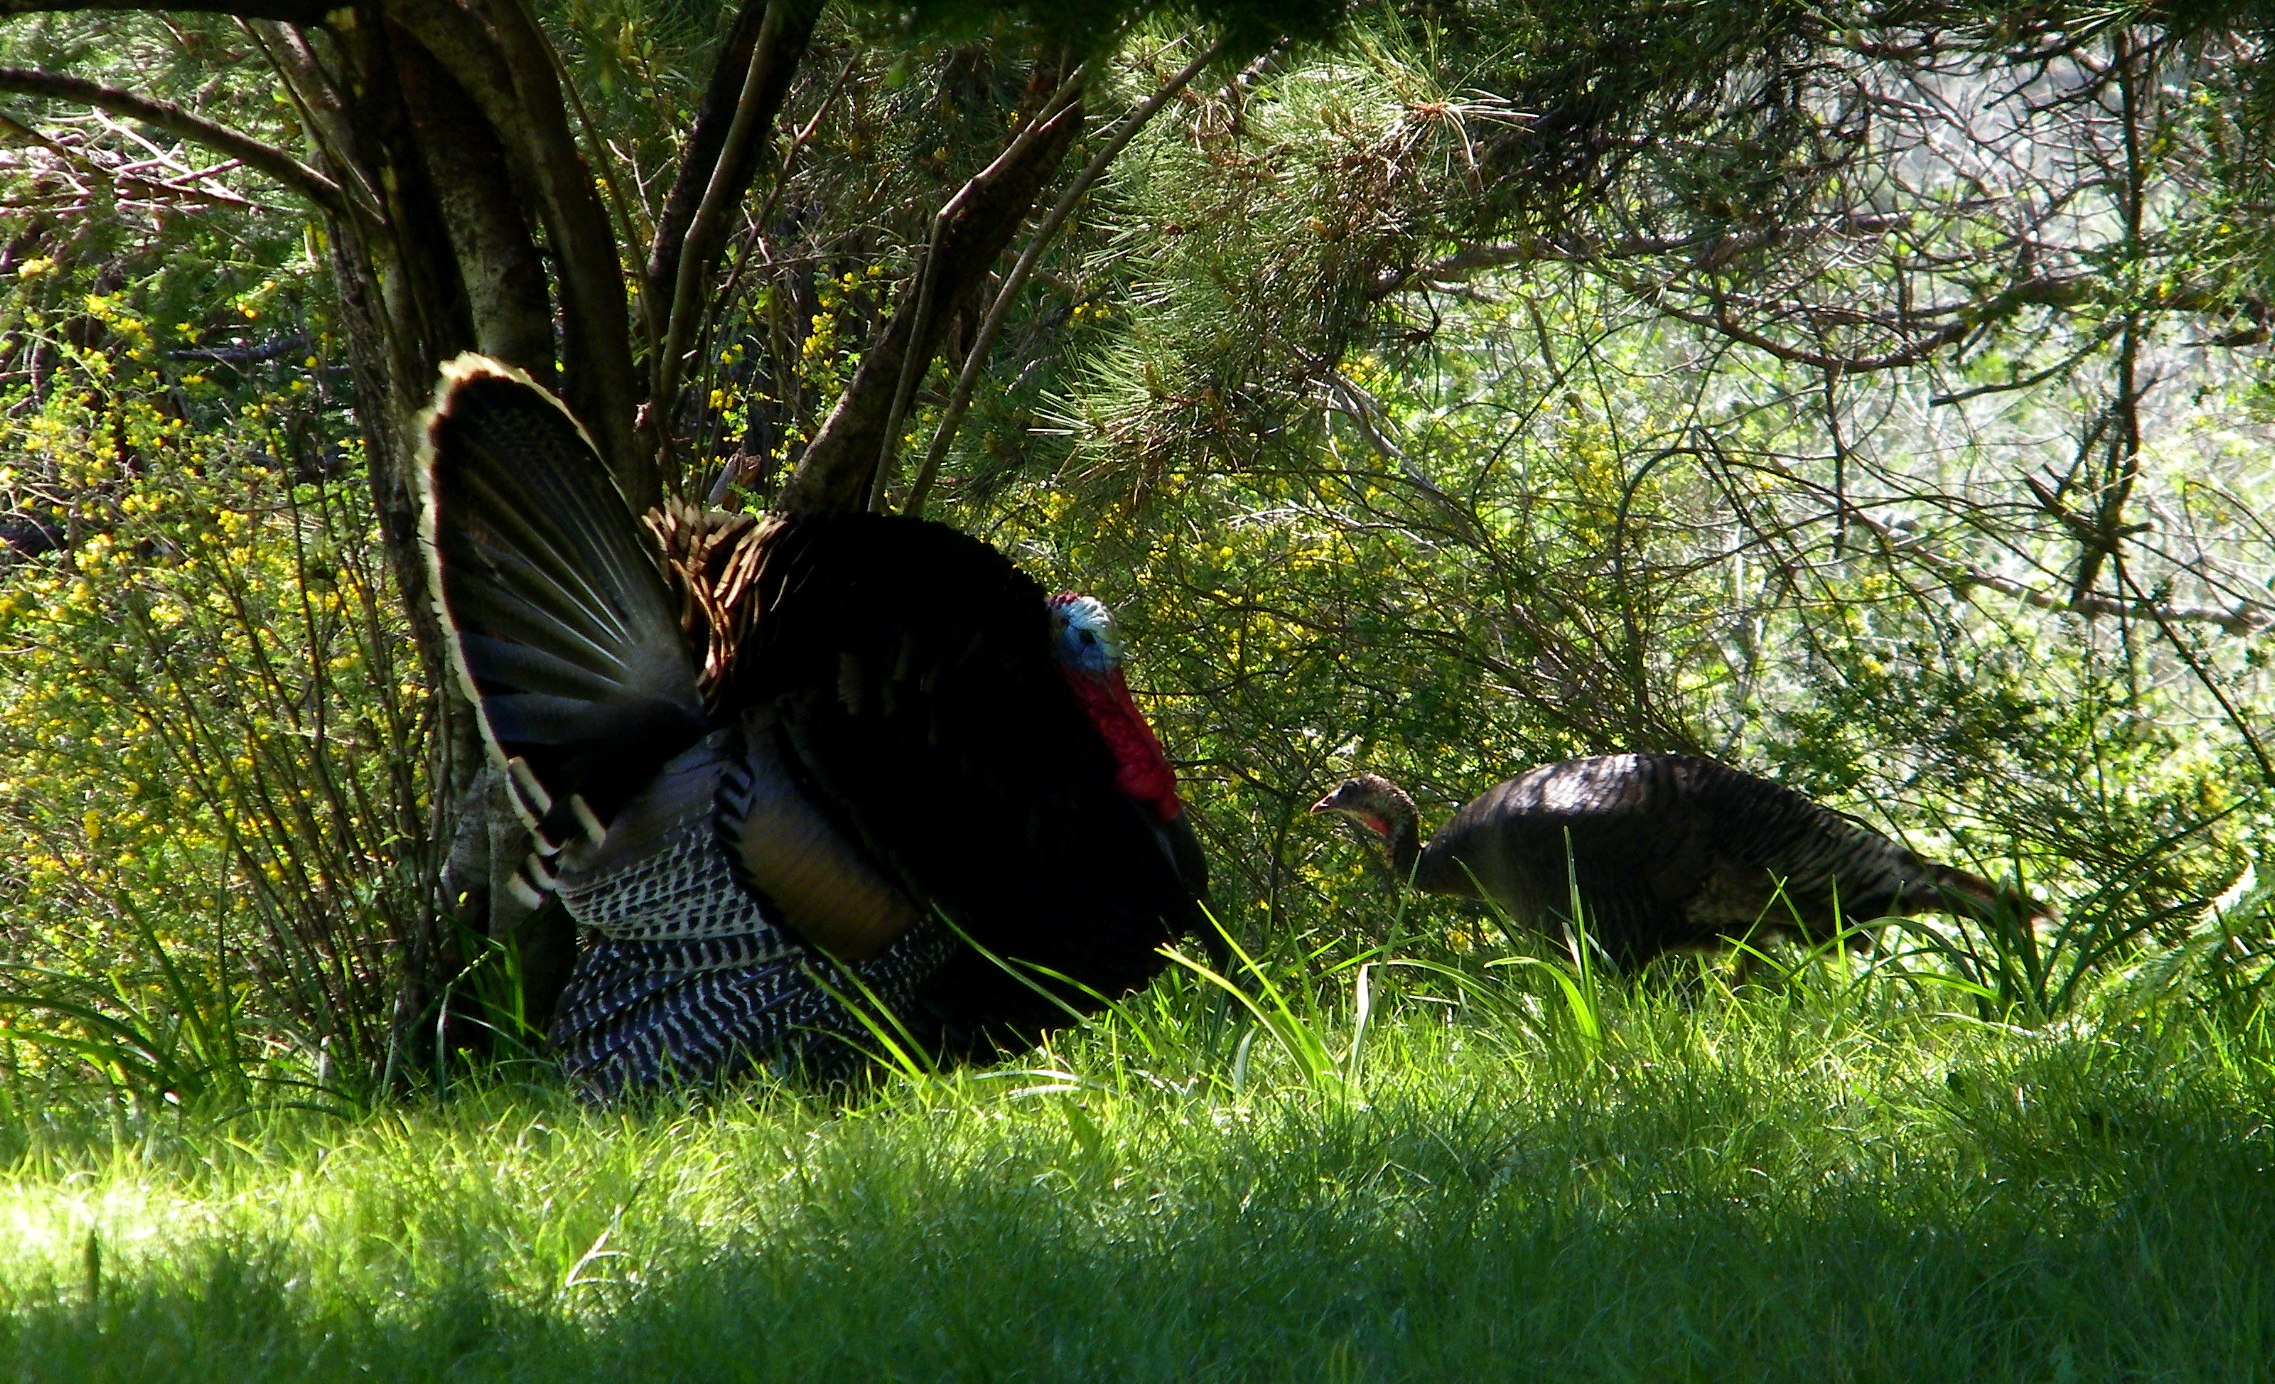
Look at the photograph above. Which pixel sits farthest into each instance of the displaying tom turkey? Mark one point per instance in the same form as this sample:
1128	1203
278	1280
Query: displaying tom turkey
801	781
1668	852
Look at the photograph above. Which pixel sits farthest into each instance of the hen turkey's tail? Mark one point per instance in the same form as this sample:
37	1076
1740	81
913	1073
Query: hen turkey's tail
564	634
1972	893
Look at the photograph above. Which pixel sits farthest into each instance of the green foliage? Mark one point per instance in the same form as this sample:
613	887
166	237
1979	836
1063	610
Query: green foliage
1086	24
1442	401
1371	495
212	802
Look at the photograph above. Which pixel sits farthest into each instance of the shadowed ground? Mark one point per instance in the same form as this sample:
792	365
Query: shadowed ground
1720	1194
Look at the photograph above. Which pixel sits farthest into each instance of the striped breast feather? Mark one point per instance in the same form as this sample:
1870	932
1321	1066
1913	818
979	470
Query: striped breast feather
659	874
638	1015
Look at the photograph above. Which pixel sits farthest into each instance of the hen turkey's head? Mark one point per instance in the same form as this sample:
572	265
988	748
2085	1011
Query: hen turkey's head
1090	653
1376	804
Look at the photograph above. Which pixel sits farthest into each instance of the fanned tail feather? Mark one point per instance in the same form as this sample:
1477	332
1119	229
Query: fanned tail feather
562	629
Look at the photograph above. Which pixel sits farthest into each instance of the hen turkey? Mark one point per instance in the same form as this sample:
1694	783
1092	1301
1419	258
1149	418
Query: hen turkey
1667	851
805	784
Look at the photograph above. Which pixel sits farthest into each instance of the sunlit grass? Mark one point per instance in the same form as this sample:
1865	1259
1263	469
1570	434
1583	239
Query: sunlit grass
1828	1177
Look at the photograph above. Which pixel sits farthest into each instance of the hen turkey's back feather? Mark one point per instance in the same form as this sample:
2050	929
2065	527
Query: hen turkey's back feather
1670	851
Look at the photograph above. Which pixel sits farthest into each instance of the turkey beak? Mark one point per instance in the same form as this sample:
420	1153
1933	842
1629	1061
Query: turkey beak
1326	804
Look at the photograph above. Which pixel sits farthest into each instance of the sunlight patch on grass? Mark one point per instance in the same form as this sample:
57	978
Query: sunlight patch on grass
1764	1186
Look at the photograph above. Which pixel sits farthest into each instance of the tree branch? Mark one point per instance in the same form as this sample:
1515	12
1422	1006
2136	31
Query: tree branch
749	83
484	213
2244	618
506	67
723	172
836	471
289	11
286	170
302	78
960	398
1044	122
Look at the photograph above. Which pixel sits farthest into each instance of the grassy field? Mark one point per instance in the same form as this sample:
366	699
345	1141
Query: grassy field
1825	1180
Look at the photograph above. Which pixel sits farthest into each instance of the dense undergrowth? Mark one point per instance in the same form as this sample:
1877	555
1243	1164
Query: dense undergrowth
1439	527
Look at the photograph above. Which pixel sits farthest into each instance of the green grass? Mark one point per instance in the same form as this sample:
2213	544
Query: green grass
1819	1182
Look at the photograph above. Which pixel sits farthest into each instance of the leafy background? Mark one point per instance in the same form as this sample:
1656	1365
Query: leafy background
1435	400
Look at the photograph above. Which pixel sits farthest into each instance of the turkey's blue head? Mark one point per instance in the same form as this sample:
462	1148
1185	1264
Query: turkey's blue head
1090	652
1089	642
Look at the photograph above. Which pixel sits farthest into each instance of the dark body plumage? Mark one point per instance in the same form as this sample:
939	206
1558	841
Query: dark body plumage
1668	852
775	765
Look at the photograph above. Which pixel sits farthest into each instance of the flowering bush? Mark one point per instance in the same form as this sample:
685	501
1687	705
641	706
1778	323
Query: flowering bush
212	735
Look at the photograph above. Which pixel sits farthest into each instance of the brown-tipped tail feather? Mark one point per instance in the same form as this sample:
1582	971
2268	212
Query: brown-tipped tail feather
1987	897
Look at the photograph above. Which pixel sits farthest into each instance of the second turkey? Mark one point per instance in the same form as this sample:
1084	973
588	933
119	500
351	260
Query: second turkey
1666	852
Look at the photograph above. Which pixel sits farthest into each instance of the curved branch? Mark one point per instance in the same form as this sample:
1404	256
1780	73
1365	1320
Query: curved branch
288	171
289	11
477	192
1049	122
960	398
761	55
301	76
838	466
730	161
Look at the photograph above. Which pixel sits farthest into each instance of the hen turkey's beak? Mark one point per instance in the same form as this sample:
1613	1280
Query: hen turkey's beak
1326	804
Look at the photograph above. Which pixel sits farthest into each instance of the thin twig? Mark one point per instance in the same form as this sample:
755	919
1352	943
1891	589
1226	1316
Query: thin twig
267	158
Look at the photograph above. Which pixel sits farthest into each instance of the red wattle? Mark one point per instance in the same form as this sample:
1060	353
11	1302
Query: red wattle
1141	767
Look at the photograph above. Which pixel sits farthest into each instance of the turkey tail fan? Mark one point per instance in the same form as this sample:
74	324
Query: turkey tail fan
562	629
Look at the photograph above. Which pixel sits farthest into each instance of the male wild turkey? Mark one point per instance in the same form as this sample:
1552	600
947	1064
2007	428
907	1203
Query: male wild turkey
1669	852
787	773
